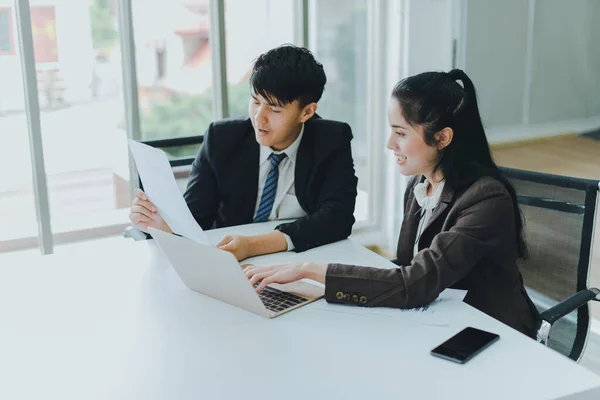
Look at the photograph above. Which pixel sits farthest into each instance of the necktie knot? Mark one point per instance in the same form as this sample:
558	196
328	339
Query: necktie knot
276	159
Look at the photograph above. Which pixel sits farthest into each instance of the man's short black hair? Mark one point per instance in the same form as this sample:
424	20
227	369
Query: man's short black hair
287	73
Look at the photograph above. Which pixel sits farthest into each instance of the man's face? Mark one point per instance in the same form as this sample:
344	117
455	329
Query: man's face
277	126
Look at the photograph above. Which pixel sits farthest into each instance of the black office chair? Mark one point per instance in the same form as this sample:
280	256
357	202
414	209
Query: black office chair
560	213
191	144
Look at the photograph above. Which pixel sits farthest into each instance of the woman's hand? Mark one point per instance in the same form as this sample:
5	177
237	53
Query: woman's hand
284	273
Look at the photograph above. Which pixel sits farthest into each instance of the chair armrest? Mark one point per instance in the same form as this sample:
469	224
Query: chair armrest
563	308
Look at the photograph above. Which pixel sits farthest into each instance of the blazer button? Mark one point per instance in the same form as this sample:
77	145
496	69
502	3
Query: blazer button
354	298
339	295
347	297
363	299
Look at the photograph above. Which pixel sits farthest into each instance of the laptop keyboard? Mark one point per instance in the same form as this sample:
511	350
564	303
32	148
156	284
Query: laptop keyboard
277	300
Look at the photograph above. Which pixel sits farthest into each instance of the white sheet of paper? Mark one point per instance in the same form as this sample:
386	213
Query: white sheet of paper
162	190
453	294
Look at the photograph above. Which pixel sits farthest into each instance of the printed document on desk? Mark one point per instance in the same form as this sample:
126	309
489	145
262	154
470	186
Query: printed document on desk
162	190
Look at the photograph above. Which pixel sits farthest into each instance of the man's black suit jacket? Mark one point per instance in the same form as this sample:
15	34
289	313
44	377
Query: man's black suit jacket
223	183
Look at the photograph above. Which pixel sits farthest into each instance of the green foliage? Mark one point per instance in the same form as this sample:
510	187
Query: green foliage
181	115
104	32
178	116
239	96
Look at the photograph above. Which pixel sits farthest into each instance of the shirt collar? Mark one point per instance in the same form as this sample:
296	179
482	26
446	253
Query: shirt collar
291	151
427	202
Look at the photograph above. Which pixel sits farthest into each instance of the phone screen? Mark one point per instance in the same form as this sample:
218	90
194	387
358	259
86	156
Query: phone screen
465	345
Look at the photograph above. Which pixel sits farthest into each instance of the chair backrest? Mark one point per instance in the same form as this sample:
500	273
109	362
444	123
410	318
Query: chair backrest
559	213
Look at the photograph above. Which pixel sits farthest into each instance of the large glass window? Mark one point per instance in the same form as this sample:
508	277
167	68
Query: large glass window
17	203
7	44
174	71
78	69
338	37
252	28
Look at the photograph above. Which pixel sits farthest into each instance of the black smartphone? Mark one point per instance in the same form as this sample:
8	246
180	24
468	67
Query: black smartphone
465	345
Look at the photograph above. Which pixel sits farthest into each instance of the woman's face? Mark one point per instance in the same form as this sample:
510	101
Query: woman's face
413	155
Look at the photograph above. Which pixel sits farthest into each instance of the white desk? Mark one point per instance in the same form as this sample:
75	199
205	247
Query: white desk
112	321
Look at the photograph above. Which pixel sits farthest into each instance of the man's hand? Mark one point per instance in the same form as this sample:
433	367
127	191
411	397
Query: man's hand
239	246
243	247
144	214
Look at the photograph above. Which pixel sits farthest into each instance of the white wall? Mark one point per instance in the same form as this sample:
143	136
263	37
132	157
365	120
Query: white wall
566	61
429	35
535	64
496	49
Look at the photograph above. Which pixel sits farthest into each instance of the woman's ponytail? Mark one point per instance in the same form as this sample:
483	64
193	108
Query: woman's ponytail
470	98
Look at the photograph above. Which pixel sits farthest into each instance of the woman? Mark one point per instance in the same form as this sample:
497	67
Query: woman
462	225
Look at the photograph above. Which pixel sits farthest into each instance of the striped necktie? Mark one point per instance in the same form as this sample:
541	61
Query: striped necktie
268	195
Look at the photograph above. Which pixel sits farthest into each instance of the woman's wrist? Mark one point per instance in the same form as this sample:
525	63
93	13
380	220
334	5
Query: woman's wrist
315	271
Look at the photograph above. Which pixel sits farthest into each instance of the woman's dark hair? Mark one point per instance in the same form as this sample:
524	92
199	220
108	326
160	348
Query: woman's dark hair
287	73
435	100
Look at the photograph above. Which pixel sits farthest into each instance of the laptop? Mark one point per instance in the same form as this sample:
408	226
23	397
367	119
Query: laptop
217	273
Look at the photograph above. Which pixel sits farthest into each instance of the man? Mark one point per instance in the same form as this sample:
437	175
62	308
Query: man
283	162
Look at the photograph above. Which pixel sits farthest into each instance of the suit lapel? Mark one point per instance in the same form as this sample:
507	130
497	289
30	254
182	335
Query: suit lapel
445	200
249	185
304	160
408	231
410	224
